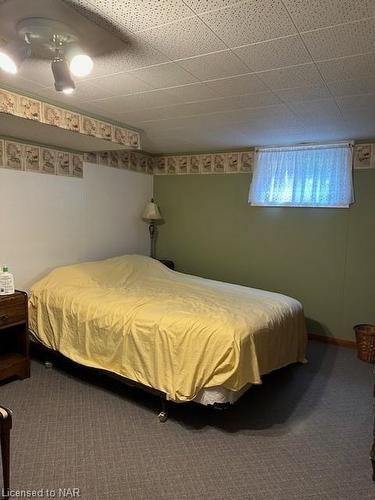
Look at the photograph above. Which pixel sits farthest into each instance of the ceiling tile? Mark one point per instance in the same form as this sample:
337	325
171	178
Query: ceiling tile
233	105
354	107
315	110
312	93
164	75
181	39
192	92
215	65
141	115
16	82
348	67
195	109
339	41
141	15
35	70
207	5
352	87
312	14
85	91
171	123
295	76
215	106
118	84
244	84
278	115
254	100
249	22
274	54
122	104
137	54
172	142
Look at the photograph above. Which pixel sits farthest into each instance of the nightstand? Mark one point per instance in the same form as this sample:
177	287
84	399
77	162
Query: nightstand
14	337
168	263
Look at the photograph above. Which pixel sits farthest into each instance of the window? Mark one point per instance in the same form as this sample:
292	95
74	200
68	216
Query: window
303	176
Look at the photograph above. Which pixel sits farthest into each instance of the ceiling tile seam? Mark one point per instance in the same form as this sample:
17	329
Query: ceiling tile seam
170	60
263	41
211	113
169	23
210	99
244	62
217	8
165	89
93	79
128	30
202	55
227	49
333	59
215	80
194	14
128	71
363	94
315	63
357	21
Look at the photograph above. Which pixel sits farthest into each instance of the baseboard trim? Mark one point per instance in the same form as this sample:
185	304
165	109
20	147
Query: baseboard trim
333	340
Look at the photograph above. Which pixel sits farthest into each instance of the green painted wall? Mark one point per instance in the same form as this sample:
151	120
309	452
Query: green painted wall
323	257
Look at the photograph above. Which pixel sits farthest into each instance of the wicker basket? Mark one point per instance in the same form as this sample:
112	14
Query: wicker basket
365	335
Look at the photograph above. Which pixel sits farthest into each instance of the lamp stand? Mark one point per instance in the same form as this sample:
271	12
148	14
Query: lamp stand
152	230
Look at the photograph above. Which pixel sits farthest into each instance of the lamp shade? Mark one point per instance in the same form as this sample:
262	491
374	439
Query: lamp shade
151	211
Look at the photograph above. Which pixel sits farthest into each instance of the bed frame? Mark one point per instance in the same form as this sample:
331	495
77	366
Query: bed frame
48	356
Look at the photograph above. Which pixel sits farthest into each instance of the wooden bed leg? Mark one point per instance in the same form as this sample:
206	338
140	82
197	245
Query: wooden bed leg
163	415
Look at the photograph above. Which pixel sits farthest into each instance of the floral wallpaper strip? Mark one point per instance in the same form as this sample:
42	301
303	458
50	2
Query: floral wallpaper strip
128	160
34	109
210	163
32	158
237	162
364	156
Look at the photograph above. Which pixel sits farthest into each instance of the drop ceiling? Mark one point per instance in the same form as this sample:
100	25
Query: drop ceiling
199	75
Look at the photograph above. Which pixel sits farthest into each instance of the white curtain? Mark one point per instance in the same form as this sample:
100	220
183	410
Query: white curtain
303	176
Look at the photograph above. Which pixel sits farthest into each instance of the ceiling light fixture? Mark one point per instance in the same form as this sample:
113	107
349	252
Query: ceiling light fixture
13	54
52	40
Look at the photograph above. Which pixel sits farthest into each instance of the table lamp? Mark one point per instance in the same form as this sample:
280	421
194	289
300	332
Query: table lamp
151	214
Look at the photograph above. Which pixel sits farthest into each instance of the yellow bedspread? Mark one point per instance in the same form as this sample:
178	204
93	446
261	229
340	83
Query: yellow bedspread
174	332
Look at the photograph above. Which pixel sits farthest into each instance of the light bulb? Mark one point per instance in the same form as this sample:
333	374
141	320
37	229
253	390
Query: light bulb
7	64
81	65
13	54
68	91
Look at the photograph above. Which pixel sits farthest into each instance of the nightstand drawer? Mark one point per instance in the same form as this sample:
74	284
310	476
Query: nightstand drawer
12	312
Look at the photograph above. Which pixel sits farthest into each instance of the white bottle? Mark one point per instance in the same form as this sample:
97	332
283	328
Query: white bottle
6	282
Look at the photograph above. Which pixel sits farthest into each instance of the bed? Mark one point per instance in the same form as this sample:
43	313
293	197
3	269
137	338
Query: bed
189	338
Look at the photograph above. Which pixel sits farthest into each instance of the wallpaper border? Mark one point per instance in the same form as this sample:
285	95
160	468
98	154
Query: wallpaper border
33	109
235	162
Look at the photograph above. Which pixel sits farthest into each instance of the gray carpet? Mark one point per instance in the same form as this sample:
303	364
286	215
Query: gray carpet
305	433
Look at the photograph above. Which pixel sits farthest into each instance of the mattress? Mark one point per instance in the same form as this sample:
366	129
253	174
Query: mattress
219	396
170	331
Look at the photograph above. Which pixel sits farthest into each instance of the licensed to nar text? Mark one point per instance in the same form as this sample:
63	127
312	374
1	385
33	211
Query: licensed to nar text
43	493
